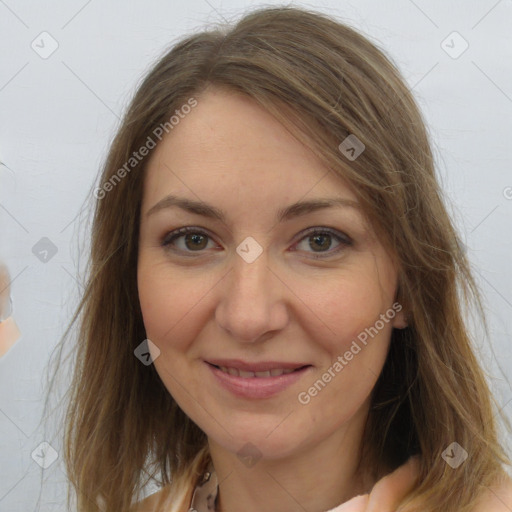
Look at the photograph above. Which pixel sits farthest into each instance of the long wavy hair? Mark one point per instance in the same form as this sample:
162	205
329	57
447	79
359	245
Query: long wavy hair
324	81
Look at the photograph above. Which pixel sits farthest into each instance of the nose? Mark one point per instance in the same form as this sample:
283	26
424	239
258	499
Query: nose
253	303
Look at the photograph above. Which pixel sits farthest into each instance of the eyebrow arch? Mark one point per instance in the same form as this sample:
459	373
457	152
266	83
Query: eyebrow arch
294	210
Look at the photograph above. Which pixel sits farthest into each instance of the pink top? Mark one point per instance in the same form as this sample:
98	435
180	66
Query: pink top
205	496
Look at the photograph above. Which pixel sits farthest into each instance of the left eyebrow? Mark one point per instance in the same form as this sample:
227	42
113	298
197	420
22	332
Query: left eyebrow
305	207
294	210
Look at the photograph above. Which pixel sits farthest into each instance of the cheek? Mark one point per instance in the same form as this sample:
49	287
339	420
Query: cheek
170	303
355	351
171	307
345	307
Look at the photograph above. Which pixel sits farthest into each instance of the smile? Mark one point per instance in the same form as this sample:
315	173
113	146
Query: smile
262	381
274	372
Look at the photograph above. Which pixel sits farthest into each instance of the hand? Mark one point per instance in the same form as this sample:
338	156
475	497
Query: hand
5	309
388	492
9	332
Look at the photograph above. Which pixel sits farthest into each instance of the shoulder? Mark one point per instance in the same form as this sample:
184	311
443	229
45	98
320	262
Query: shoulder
497	498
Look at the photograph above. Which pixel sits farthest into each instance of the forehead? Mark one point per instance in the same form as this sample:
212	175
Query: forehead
228	144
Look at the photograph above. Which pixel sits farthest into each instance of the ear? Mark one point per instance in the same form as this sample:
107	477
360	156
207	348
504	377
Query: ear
400	320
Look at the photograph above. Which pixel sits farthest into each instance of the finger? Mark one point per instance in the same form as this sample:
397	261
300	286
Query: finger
4	291
388	492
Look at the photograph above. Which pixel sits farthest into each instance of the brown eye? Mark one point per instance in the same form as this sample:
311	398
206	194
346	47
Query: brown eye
322	241
195	241
187	240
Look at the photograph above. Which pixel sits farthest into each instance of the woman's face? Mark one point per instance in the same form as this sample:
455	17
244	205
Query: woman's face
278	274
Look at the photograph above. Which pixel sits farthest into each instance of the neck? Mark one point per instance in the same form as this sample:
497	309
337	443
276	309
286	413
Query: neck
317	478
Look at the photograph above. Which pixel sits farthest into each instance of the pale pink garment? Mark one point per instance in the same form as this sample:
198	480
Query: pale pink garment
354	505
205	494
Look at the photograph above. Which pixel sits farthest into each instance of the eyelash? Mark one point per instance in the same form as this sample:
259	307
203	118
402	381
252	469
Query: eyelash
344	240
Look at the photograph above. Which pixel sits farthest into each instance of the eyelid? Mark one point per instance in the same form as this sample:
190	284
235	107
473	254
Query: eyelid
177	233
342	238
324	229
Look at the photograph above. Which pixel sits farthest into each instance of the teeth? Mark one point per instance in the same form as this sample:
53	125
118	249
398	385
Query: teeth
274	372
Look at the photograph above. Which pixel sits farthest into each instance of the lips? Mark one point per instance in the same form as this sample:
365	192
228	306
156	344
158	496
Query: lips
274	372
256	380
248	369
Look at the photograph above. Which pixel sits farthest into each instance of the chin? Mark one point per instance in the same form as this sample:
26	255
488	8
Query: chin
268	440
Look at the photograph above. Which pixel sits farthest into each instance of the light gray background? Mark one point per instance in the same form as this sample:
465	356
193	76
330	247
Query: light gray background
57	116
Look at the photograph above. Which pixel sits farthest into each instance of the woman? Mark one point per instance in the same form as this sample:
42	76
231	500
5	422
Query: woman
272	319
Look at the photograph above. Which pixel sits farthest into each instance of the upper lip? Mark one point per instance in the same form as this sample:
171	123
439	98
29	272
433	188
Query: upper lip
261	366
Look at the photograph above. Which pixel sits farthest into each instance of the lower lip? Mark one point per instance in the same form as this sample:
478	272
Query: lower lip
256	387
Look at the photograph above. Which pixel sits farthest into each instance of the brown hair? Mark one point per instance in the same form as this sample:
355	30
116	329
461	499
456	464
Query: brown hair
324	81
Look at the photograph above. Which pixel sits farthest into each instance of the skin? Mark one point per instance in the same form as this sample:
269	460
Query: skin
9	332
287	305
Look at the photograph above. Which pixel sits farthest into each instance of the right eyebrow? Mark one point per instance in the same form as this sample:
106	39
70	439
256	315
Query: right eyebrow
294	210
